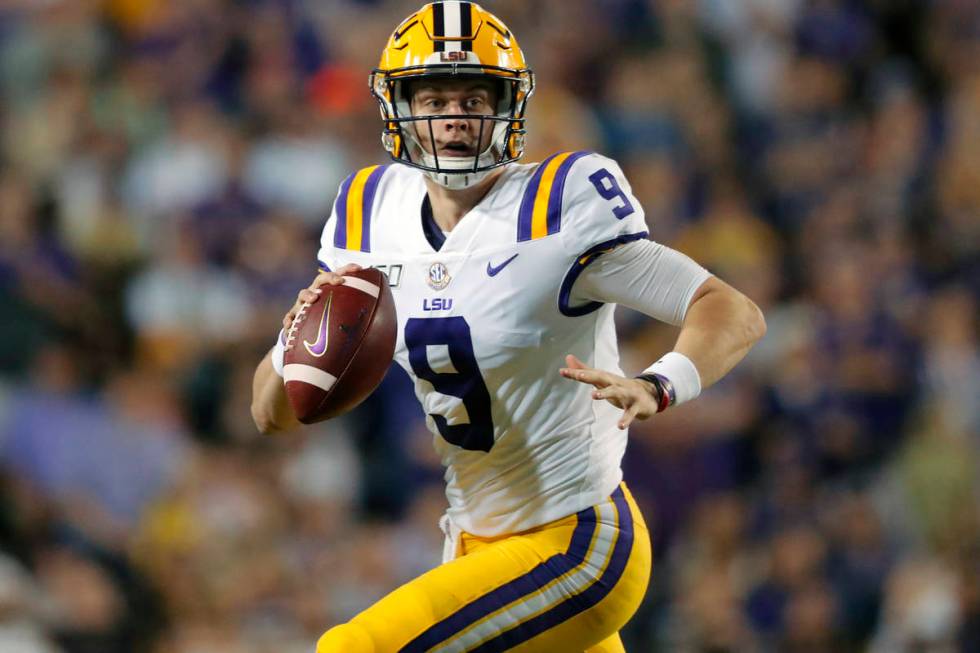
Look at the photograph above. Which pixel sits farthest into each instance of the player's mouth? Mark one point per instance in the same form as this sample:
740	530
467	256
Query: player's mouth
456	148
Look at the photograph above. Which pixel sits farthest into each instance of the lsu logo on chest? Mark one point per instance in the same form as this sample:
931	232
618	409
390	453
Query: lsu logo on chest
438	278
437	303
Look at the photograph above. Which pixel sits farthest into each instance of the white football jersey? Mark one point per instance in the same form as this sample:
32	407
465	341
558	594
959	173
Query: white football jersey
485	322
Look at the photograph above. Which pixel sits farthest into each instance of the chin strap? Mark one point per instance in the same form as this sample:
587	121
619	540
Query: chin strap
448	174
458	180
463	177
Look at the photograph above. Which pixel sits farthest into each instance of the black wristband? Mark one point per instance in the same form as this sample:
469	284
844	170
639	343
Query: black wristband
665	390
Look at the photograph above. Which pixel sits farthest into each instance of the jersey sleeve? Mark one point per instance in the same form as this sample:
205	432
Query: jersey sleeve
645	276
329	257
599	206
348	229
600	213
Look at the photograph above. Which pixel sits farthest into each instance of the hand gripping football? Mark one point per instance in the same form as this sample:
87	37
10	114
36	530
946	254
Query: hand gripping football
340	347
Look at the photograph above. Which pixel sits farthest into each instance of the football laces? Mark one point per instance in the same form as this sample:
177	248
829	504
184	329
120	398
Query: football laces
294	327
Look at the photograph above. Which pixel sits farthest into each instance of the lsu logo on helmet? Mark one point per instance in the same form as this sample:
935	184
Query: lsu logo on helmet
453	39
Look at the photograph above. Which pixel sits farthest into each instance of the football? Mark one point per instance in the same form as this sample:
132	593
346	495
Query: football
340	347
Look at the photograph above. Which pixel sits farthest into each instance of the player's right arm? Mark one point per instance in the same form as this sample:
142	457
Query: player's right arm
271	411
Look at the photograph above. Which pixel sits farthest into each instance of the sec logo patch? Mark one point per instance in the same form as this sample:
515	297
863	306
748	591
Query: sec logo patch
438	276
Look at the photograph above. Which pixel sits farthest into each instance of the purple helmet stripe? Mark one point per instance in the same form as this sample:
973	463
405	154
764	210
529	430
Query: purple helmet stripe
466	24
438	27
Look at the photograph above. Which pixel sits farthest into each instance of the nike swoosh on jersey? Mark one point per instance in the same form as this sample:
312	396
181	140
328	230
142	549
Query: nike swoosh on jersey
319	348
492	271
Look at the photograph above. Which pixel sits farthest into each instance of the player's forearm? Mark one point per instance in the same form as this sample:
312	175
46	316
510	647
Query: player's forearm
270	407
720	327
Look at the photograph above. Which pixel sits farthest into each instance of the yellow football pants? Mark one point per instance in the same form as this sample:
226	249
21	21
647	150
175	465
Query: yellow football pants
565	587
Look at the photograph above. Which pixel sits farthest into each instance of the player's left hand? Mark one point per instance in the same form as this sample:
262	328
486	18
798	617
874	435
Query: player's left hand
635	396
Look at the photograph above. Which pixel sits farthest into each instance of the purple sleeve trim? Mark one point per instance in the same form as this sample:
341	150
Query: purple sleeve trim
581	262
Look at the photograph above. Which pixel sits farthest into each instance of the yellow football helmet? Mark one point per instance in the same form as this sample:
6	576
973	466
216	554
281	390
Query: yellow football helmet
450	39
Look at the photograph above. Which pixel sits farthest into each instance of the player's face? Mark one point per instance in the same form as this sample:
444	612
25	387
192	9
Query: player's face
455	137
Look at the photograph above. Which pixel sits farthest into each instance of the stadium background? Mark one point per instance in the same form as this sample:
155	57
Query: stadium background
165	166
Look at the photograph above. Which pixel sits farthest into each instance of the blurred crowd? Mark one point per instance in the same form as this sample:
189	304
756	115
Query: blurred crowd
166	167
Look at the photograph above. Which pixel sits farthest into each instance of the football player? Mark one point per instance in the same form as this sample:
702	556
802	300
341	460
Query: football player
505	278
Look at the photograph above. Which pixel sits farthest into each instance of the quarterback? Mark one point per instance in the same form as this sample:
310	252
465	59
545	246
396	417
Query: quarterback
505	278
